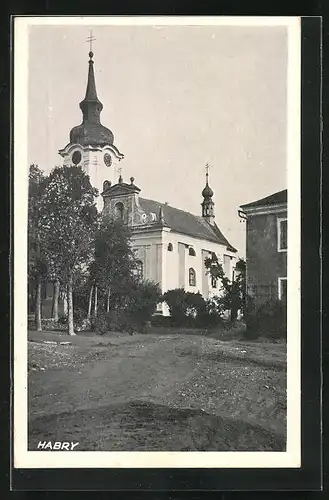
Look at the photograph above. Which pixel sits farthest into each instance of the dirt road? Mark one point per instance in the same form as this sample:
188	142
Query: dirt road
153	392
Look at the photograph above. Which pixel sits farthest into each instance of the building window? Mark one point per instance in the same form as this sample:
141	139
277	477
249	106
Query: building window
139	269
227	266
118	210
192	277
191	252
282	235
213	282
282	289
76	157
170	247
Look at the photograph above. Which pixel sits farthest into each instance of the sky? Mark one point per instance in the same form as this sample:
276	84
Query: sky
175	98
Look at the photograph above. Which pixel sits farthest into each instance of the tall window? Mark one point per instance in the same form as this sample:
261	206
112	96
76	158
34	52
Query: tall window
213	282
282	235
282	289
192	277
118	210
227	266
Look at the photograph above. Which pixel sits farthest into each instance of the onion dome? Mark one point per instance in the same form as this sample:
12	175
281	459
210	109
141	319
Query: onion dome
207	192
91	132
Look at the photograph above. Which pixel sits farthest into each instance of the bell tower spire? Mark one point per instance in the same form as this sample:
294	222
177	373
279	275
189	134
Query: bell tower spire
208	204
91	144
91	132
91	94
91	106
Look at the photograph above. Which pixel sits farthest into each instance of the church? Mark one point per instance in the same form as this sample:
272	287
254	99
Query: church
171	244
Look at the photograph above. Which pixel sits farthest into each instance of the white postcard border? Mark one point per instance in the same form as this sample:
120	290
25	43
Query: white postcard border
35	459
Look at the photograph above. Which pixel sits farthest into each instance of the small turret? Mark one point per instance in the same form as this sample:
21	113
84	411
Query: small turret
208	205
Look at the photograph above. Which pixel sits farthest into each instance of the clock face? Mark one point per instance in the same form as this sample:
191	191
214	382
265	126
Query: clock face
108	159
76	157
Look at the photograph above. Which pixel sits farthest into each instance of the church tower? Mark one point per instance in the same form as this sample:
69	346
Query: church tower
91	144
208	205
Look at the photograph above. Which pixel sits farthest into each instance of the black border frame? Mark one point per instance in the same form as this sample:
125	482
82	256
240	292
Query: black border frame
309	476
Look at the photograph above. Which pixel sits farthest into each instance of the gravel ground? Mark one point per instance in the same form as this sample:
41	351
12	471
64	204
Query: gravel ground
170	392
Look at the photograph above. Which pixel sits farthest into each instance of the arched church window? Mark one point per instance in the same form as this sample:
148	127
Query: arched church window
192	277
213	282
170	247
118	210
139	269
106	185
191	252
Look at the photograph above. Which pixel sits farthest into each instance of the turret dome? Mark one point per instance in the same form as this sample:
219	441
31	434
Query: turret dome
207	192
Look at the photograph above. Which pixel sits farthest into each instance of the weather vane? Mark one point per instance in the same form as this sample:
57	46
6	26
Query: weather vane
207	169
91	39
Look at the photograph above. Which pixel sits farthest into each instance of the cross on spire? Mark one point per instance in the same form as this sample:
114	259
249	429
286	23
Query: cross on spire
207	171
91	39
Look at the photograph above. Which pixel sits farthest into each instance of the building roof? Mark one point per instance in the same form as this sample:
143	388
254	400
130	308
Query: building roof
273	199
183	222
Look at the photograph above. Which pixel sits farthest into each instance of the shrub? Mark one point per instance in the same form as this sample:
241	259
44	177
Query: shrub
135	313
62	320
250	315
160	320
191	309
213	315
100	325
50	324
79	316
268	320
176	301
142	301
115	321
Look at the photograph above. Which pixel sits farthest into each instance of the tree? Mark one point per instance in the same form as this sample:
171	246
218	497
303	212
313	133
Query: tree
56	290
233	291
37	263
113	271
68	217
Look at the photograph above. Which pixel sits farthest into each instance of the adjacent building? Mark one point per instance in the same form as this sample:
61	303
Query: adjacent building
266	247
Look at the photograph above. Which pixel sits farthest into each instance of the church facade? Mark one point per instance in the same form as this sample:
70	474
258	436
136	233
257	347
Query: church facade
171	245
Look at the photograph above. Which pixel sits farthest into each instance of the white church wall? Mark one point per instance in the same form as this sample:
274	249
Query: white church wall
92	162
171	268
177	265
148	247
